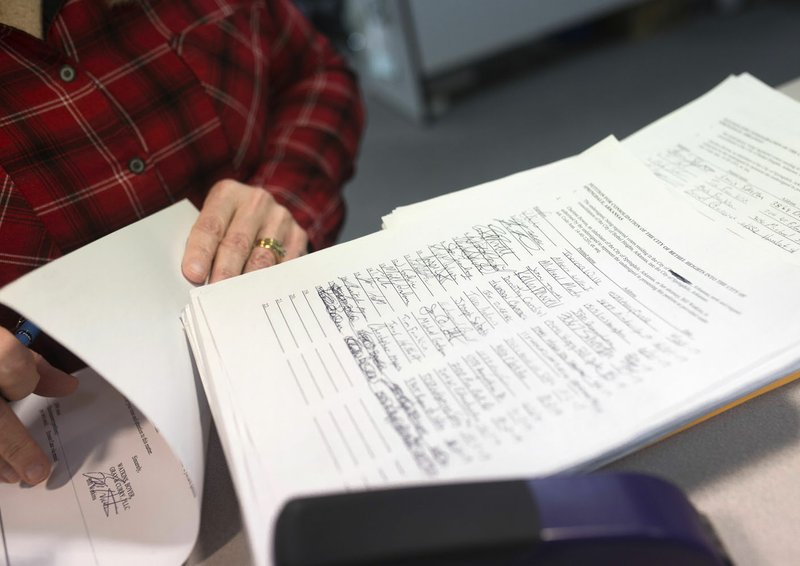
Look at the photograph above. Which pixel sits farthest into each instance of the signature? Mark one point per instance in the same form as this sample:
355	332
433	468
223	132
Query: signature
103	487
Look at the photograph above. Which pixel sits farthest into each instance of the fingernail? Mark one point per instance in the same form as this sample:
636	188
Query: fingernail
195	269
35	473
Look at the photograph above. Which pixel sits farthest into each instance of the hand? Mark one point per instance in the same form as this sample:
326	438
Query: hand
234	216
23	372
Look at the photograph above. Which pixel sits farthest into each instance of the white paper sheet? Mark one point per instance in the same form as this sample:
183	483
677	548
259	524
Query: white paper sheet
117	495
116	305
735	154
539	331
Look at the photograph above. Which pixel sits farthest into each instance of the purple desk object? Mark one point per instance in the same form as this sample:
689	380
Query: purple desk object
594	519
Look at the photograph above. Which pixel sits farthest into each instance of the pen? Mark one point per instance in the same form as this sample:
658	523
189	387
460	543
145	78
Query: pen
26	332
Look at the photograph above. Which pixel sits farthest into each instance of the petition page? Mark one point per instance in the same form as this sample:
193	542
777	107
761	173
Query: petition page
117	495
116	304
735	153
542	330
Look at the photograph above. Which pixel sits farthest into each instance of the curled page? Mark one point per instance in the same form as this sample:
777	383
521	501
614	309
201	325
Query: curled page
129	453
117	494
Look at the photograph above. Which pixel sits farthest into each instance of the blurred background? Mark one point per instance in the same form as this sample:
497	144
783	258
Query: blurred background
460	92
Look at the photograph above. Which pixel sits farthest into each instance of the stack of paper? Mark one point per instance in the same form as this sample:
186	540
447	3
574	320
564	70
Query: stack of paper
565	316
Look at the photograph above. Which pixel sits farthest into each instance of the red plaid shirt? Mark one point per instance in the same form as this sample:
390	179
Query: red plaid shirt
121	111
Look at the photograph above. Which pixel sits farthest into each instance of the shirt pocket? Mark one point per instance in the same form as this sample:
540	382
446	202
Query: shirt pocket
223	44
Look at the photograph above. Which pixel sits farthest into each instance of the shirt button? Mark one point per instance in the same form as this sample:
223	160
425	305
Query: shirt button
136	166
67	73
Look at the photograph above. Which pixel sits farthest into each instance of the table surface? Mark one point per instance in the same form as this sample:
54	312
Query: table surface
741	469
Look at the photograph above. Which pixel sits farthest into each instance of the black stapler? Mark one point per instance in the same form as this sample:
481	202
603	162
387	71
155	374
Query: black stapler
593	519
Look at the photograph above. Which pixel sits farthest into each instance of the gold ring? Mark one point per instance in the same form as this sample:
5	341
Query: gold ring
273	245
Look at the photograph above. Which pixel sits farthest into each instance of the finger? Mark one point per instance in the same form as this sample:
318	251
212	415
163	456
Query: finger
52	381
276	227
236	247
296	242
261	258
7	473
19	450
208	231
18	375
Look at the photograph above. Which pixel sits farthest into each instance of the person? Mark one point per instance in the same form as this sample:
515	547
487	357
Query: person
114	109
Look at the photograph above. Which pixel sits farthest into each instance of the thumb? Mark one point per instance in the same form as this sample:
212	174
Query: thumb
52	381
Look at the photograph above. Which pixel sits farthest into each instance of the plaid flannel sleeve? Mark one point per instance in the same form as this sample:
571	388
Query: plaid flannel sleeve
316	118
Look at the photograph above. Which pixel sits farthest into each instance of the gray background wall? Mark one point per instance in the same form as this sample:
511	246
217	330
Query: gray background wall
608	84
